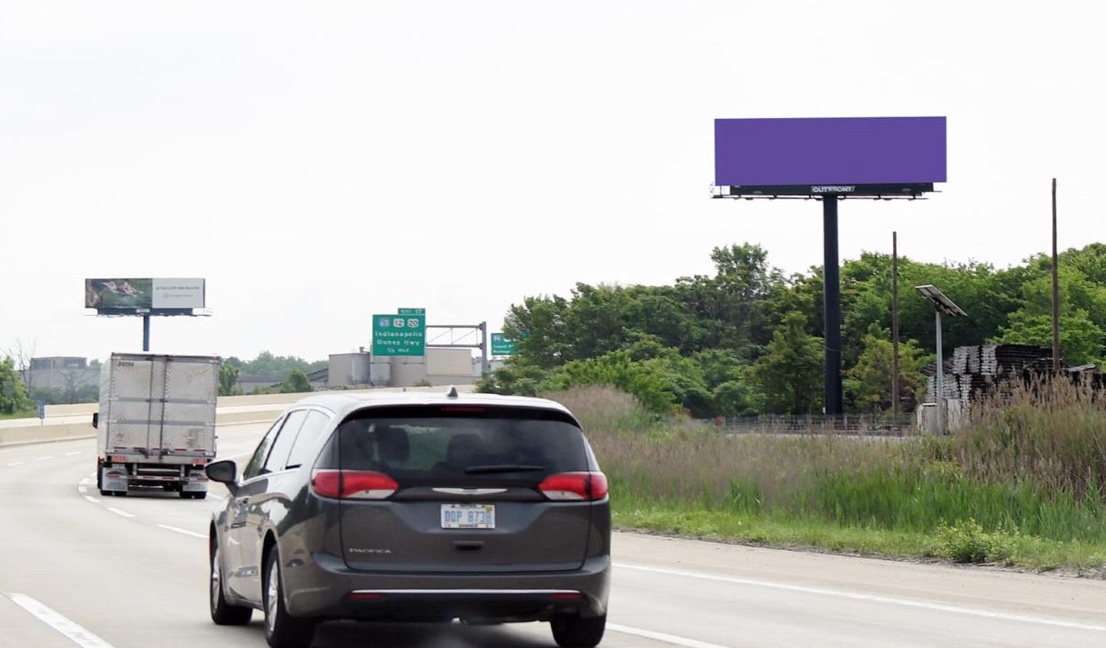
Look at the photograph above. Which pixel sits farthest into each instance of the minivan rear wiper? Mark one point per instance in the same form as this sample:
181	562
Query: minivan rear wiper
501	468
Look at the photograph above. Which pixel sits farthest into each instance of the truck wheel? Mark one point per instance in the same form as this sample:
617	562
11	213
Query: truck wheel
281	629
223	613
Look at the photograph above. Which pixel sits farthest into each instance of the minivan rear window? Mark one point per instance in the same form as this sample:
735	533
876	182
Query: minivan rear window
461	443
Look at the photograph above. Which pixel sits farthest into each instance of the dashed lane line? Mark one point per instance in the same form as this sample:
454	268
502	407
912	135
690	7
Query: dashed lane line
76	633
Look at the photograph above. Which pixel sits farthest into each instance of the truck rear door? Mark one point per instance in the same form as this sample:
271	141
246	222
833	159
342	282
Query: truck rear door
191	386
135	408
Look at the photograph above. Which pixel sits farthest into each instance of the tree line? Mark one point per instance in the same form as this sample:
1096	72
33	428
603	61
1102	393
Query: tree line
749	338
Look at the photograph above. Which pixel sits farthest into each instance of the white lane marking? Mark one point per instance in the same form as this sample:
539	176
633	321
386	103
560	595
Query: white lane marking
44	458
660	636
94	500
72	454
82	489
926	605
17	463
119	512
184	531
78	634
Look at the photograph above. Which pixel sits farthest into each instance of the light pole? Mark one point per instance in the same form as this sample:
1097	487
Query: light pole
943	305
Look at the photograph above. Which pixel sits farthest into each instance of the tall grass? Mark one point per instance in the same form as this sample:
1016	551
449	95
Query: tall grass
1052	433
1023	478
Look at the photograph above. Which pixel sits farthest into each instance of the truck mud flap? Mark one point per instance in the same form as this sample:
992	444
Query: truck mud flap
197	482
113	479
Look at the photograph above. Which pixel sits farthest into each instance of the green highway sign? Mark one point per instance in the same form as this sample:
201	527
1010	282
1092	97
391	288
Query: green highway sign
399	334
501	346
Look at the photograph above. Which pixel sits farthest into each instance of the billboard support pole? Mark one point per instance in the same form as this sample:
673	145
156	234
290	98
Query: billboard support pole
146	332
831	290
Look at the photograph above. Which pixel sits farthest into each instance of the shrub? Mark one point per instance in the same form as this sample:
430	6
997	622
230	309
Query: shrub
967	542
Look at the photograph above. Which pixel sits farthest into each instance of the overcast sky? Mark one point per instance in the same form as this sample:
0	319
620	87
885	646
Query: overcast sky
319	162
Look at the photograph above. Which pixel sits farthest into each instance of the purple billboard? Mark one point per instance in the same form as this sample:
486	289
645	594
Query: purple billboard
829	151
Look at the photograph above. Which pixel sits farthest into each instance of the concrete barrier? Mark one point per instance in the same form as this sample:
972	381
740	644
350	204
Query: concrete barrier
45	433
65	422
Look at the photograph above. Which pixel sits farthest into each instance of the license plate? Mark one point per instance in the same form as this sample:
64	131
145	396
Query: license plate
468	516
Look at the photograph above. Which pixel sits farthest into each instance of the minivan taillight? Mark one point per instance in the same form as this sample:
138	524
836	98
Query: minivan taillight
353	484
575	486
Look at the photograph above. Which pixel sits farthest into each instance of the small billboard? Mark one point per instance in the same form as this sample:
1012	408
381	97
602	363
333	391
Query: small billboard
829	155
143	295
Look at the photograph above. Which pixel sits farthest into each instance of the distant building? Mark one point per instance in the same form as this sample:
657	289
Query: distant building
70	375
58	363
440	366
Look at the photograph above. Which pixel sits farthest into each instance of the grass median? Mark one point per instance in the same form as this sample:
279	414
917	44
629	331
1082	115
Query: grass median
1022	486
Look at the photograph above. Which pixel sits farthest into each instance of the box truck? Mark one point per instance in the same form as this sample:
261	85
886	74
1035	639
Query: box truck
156	424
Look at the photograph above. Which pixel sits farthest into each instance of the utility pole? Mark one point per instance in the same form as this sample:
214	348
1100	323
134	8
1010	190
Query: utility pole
1055	288
895	327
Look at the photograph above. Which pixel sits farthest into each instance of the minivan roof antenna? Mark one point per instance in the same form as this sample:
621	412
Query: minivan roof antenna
452	393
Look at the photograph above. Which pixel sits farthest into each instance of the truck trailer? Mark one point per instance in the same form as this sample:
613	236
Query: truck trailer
156	424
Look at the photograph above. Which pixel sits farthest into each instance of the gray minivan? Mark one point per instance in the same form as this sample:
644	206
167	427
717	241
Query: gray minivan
415	506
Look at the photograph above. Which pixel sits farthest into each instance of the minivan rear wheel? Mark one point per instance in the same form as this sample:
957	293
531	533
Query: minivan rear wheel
575	631
281	629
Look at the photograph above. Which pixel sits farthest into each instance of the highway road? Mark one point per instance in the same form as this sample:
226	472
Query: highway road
77	569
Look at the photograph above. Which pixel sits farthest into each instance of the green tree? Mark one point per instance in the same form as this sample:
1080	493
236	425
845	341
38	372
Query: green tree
228	380
1082	305
734	398
867	384
976	288
733	309
295	383
48	395
539	327
789	374
13	393
516	376
1089	260
268	364
1080	338
618	369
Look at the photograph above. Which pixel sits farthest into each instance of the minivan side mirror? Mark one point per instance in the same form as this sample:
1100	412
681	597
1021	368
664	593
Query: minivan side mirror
224	471
96	420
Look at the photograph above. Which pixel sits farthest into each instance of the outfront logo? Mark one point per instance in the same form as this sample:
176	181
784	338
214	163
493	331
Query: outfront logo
832	188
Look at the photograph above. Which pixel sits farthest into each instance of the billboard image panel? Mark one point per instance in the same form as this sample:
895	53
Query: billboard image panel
120	294
117	293
829	151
